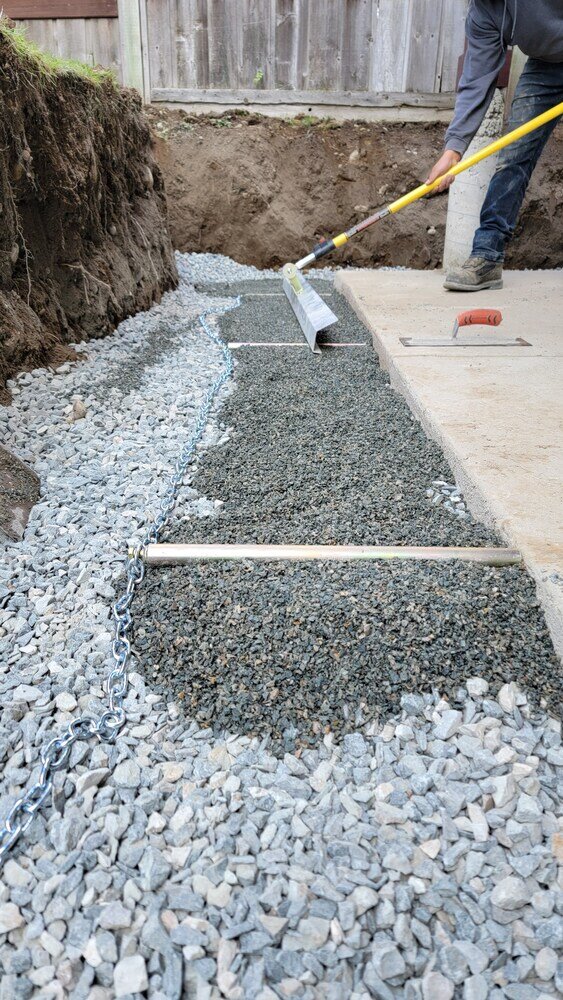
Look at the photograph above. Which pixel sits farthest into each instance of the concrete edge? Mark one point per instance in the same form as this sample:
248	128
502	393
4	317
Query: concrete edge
478	502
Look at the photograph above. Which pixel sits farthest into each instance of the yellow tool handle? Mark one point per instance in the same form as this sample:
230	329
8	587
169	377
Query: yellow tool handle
481	154
327	246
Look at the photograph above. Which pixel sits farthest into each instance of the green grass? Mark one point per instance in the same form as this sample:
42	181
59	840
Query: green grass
303	121
46	64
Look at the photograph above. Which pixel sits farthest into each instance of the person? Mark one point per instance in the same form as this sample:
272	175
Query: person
536	27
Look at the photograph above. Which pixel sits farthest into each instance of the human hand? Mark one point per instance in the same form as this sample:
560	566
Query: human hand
447	160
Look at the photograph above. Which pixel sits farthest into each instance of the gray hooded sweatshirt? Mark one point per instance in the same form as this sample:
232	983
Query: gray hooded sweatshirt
535	26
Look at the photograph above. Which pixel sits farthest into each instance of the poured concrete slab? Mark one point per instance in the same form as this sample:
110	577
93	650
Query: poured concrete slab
497	412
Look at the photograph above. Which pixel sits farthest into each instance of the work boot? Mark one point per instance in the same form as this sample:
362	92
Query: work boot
475	274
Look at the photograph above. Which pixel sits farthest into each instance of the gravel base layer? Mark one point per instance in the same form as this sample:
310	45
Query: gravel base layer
420	859
295	651
323	450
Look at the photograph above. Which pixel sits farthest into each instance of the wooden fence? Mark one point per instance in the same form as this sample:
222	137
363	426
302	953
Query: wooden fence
87	30
303	51
351	52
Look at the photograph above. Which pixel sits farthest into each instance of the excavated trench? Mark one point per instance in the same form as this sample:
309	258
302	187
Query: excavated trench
83	230
264	190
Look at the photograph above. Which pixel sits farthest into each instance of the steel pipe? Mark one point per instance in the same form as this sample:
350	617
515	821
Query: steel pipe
179	555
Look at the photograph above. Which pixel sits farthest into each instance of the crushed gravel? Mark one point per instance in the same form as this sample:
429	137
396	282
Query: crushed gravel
294	651
421	858
322	449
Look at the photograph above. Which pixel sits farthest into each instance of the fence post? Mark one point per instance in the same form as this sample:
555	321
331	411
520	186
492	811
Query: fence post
133	46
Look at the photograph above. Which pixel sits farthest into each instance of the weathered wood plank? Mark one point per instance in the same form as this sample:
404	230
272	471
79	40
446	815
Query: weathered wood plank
303	28
224	44
186	59
70	39
145	51
286	47
357	42
102	43
389	51
162	32
424	45
358	99
257	57
452	40
43	10
325	48
201	28
131	45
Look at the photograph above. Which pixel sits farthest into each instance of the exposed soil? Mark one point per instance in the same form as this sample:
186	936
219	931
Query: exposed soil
83	237
264	190
19	491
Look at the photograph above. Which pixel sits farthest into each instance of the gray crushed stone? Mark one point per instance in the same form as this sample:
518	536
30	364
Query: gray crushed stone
422	859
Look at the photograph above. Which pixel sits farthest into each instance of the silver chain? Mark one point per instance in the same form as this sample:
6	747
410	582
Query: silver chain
54	755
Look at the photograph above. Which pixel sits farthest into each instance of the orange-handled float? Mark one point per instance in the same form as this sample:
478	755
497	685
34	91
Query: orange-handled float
327	246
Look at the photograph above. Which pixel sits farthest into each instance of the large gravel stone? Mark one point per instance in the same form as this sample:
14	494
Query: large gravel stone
511	893
387	960
435	986
130	976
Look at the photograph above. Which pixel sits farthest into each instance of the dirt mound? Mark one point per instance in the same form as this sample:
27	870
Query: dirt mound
83	232
264	190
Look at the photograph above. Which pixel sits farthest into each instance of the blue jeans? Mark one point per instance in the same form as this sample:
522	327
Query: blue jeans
538	89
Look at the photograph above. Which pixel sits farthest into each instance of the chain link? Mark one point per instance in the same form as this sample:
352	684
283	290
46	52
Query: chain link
54	755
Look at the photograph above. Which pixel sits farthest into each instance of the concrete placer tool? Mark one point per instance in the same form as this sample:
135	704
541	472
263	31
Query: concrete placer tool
312	313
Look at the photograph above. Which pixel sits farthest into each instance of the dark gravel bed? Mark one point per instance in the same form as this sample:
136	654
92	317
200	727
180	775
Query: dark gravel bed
294	650
322	450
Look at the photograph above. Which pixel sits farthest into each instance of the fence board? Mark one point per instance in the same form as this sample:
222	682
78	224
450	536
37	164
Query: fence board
302	57
424	45
92	41
325	49
202	44
43	10
360	99
257	67
357	41
134	68
285	44
71	39
102	42
224	48
452	39
186	58
162	29
389	53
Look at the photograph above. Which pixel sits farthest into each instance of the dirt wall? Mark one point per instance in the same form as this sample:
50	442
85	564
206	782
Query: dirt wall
83	227
263	190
